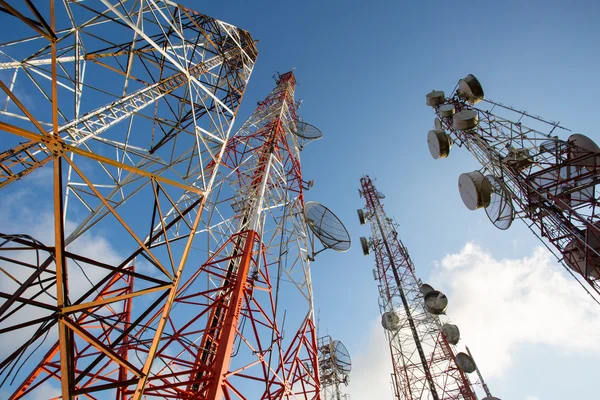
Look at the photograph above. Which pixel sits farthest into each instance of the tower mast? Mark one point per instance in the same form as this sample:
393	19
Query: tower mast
133	106
423	360
233	310
527	173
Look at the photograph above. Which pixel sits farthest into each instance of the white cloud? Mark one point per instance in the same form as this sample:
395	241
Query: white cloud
371	366
46	391
501	304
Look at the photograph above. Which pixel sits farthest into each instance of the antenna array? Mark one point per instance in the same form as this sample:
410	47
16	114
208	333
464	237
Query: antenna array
425	364
527	173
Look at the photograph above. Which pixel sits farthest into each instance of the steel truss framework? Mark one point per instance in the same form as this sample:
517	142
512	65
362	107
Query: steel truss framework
331	376
423	362
103	322
131	106
260	269
551	182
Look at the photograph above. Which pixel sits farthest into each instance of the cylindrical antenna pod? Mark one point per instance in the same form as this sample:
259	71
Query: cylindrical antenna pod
439	143
436	302
435	98
361	216
473	192
465	120
437	124
452	333
365	245
470	90
465	362
447	110
390	321
425	288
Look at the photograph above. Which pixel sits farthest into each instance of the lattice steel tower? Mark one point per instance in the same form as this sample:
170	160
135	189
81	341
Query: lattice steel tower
232	312
527	173
130	104
425	364
335	366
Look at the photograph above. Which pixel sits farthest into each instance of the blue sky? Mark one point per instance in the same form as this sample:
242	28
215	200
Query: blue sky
363	70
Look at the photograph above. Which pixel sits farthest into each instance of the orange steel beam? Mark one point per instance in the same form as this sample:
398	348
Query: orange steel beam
96	303
139	390
124	351
29	22
82	333
25	111
99	301
59	146
226	338
65	336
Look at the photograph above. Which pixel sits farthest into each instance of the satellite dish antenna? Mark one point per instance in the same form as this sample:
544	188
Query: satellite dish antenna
437	124
465	362
436	302
439	143
340	357
380	195
473	192
470	90
326	227
500	210
582	145
452	333
306	132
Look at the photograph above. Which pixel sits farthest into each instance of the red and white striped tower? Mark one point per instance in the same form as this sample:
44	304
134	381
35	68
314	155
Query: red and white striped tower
527	173
233	311
424	363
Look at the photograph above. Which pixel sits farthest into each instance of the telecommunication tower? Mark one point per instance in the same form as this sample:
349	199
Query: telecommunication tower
425	364
236	338
130	105
335	366
527	173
